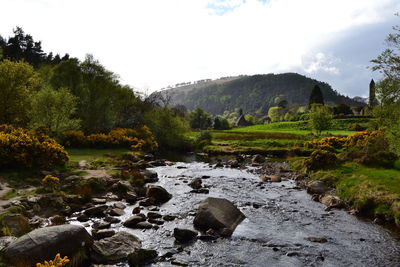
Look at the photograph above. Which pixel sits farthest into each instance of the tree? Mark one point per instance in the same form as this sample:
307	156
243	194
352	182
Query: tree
321	118
18	81
200	119
316	96
275	113
54	109
342	109
388	89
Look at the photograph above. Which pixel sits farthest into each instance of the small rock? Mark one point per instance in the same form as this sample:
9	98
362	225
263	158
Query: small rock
136	210
155	221
169	217
317	187
97	201
97	211
200	191
144	225
119	205
133	221
103	233
111	219
101	225
153	215
317	239
116	212
184	235
196	183
141	257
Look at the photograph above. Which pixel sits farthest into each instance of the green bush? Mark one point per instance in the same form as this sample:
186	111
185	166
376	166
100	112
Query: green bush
203	139
321	159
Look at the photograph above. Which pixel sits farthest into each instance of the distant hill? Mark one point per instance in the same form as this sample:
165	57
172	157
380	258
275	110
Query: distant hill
253	93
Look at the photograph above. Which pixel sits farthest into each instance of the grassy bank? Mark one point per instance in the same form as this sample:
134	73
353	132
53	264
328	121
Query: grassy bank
374	192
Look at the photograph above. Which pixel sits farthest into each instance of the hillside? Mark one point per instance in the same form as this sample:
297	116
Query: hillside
255	93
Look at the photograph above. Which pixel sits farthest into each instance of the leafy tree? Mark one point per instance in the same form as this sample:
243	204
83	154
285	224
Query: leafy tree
316	96
250	119
388	89
321	118
200	119
275	114
18	81
54	109
342	109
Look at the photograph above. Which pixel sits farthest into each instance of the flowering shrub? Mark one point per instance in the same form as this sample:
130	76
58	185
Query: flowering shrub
369	147
51	182
327	143
140	138
23	148
57	262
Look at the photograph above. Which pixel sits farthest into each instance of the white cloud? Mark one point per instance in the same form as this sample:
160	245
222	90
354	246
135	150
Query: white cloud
155	43
322	63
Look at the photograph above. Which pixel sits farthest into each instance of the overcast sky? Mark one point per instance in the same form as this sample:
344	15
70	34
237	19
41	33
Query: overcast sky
155	43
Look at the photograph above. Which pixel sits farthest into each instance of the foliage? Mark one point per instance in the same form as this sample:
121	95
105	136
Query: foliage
321	159
255	94
57	262
51	182
316	96
200	119
140	138
275	113
203	139
54	110
342	109
369	147
329	143
18	81
321	119
23	148
169	131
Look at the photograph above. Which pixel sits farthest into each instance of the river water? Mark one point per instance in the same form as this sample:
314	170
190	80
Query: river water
280	219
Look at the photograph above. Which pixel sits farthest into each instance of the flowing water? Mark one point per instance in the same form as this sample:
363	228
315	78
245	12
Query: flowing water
280	219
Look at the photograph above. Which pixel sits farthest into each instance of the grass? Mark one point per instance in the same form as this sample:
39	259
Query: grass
375	192
273	136
90	154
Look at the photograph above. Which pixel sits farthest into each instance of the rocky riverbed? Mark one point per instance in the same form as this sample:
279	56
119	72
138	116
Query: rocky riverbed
283	225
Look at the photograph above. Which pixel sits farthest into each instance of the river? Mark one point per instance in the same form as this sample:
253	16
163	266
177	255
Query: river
280	220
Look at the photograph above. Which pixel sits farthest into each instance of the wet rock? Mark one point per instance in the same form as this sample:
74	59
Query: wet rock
83	218
179	262
200	191
233	163
217	214
5	241
153	208
133	221
103	233
317	239
219	164
16	223
292	254
136	210
130	197
169	218
258	159
317	187
331	201
116	212
46	242
98	211
196	183
146	202
141	257
155	221
101	225
184	235
37	222
115	248
150	176
58	220
100	201
121	188
144	225
275	178
111	219
119	205
158	194
153	215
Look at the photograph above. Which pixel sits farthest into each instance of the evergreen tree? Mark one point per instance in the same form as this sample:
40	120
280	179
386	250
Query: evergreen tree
316	96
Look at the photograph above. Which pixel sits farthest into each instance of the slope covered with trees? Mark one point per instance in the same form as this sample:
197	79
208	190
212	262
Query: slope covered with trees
256	94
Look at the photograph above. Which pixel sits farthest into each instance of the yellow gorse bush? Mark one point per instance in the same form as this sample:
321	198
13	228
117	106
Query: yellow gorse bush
51	182
24	148
57	262
140	138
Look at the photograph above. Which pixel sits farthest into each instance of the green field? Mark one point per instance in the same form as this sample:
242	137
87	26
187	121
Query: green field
90	154
273	136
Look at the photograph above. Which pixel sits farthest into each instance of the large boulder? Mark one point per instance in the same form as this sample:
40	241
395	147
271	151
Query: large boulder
115	248
184	235
218	214
157	194
44	243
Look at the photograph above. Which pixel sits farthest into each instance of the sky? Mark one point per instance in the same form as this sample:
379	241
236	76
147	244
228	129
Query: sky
152	44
